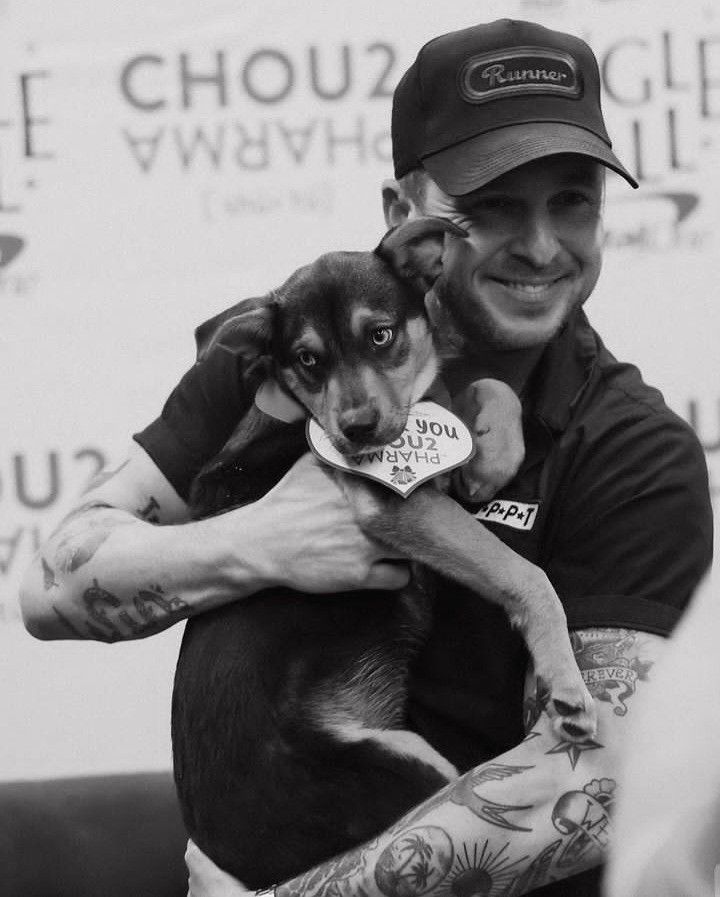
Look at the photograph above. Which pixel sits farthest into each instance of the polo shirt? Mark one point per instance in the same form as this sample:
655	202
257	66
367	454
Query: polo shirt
611	501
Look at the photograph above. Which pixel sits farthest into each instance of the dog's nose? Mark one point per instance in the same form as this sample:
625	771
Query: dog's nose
358	424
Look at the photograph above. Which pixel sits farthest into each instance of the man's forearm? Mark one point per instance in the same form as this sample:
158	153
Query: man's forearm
531	816
109	575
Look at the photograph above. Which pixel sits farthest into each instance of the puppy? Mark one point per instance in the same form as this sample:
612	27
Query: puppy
288	708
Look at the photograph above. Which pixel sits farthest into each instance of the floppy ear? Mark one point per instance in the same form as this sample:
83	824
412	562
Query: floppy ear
414	249
245	329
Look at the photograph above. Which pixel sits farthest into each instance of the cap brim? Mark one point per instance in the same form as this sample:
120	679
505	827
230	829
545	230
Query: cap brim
475	162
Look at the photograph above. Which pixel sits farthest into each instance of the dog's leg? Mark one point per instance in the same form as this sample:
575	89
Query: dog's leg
397	741
431	528
493	414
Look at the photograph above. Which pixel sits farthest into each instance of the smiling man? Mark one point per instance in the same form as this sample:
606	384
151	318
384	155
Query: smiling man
499	128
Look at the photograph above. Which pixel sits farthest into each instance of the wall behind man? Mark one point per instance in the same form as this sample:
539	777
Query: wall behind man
160	161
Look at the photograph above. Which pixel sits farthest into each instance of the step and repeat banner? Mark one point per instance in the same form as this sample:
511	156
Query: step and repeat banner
159	161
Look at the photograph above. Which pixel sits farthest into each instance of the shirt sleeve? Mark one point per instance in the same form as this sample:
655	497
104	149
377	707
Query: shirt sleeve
633	531
200	413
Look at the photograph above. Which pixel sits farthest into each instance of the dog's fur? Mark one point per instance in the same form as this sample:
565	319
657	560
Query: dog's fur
288	708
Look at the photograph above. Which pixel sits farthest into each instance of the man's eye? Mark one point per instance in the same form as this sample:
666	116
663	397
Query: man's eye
306	359
381	336
570	198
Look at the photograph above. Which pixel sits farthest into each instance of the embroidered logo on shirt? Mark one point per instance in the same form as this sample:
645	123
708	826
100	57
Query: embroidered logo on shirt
517	514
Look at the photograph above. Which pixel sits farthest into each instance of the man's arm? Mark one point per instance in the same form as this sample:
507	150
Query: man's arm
538	813
127	562
668	814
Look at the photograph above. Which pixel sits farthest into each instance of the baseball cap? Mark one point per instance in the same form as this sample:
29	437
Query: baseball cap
478	102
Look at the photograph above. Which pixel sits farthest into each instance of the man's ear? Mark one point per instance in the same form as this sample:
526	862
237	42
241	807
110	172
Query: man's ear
415	248
246	329
396	206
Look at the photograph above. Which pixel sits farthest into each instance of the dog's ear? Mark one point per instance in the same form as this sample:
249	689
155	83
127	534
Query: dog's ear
245	329
414	249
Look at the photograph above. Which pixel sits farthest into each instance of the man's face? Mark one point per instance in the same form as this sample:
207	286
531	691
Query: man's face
533	253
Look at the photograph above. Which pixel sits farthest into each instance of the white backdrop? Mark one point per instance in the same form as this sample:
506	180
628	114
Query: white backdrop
161	160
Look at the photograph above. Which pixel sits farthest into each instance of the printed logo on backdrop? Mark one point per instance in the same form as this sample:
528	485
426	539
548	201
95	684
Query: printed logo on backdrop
36	489
662	97
26	148
269	109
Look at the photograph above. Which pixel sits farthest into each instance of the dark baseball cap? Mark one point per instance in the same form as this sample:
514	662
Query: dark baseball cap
477	103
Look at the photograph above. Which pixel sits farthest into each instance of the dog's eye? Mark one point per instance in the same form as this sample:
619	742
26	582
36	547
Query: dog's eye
306	359
381	336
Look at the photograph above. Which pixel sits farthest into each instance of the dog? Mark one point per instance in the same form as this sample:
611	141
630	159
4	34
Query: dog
288	708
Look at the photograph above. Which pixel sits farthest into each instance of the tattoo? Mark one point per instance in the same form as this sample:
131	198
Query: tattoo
537	873
49	580
461	793
486	874
574	748
104	476
464	794
81	534
66	623
149	511
609	665
80	512
148	599
116	621
496	772
415	862
329	879
582	817
486	809
534	705
96	600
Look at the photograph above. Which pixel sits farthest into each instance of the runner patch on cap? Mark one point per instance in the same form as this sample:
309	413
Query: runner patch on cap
517	514
522	70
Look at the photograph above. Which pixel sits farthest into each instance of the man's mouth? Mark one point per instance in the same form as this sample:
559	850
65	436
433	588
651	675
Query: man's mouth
530	289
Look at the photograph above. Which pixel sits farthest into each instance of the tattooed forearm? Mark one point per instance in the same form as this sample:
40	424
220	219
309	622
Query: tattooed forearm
611	664
110	618
336	878
82	533
462	793
415	863
583	818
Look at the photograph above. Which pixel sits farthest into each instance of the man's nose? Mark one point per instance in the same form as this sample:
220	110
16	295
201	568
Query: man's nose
536	241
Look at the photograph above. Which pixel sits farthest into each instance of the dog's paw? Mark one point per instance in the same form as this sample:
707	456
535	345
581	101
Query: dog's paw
493	414
571	709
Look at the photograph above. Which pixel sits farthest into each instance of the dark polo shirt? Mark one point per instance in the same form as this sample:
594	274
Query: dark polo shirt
612	501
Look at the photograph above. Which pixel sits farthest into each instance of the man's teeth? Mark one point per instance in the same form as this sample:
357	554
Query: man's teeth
532	289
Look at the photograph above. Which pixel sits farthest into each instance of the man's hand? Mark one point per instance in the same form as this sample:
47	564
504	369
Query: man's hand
493	414
205	879
314	542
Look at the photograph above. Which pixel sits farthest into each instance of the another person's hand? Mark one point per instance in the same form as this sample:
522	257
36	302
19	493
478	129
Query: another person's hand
493	413
205	879
316	544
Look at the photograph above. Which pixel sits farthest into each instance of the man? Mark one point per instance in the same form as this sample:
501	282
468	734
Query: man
499	128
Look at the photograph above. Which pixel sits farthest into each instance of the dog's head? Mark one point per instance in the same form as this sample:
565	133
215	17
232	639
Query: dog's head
348	335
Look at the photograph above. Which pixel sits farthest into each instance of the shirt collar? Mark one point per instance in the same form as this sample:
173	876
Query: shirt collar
563	372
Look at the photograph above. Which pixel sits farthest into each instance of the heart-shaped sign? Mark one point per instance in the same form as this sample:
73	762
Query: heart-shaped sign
434	441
